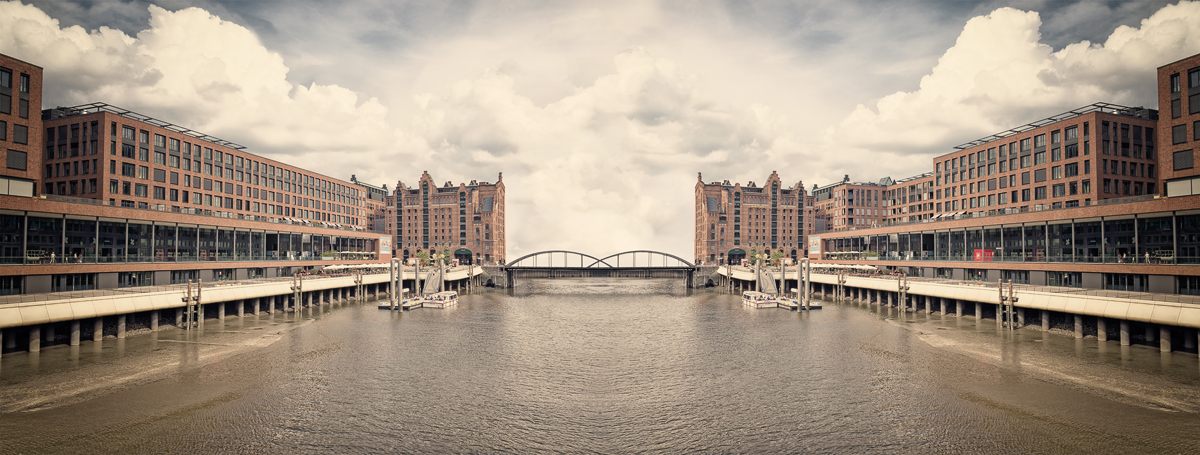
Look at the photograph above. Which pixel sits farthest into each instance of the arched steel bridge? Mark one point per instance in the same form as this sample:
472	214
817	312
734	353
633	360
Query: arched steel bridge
561	259
572	264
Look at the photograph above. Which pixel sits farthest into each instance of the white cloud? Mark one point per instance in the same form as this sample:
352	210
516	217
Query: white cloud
597	171
999	75
194	69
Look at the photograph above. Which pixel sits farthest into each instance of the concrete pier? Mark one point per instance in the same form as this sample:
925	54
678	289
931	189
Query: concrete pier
958	308
154	320
179	317
75	333
943	302
1102	329
120	326
1020	317
221	311
1164	338
978	311
1078	326
35	339
256	305
241	306
1045	320
98	330
1124	333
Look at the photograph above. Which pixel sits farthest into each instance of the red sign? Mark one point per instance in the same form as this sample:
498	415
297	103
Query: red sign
983	255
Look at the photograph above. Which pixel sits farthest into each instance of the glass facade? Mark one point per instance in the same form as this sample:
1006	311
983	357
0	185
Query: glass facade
42	238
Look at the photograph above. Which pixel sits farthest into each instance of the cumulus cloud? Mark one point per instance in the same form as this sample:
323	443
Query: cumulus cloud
999	74
192	68
598	170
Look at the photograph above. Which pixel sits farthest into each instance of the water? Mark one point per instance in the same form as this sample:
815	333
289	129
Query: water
600	365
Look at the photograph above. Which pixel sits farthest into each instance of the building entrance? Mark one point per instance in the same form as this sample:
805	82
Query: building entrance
463	255
735	256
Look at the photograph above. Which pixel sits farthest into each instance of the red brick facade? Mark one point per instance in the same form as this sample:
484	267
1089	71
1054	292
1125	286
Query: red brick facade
467	219
1179	114
732	220
20	126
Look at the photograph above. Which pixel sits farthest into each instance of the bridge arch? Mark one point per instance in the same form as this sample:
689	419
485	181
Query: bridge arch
650	258
550	254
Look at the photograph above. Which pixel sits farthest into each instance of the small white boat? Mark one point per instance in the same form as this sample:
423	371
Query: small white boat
440	300
758	300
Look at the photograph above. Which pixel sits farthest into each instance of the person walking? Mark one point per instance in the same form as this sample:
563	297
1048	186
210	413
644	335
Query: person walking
52	257
1147	257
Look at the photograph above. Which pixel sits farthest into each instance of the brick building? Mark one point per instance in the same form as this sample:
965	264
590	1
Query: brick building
732	219
20	126
375	204
467	219
1179	133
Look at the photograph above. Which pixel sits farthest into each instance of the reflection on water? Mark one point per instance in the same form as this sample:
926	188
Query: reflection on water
605	365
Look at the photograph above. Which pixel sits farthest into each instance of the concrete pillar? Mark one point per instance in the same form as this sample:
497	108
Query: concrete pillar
120	326
256	305
98	330
75	333
221	311
179	317
1164	338
1150	333
1124	333
154	320
978	310
1045	320
35	339
241	306
1078	326
1020	317
1101	329
10	339
958	308
942	300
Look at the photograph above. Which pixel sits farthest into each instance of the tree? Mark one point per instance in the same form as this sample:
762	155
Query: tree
776	256
753	257
446	255
422	257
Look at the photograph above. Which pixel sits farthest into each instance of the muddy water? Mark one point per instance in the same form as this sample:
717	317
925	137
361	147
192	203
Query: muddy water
601	365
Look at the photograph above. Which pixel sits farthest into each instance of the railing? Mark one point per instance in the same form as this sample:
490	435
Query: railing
63	295
1131	259
92	259
1001	212
202	212
1111	293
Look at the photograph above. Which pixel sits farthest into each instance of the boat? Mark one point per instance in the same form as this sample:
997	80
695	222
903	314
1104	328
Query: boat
440	300
758	300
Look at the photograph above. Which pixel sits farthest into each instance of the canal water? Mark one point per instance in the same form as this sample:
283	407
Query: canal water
600	365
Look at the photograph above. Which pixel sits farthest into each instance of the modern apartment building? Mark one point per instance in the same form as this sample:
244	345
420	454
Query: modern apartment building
375	199
732	219
467	219
20	126
97	197
1096	197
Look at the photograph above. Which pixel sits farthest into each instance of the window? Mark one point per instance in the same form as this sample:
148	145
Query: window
143	172
160	193
1059	190
160	158
20	134
1039	175
1071	170
1039	158
160	141
1195	134
1182	160
1072	151
128	133
1039	192
173	161
1072	133
1025	195
1026	161
1039	140
1056	172
174	195
140	190
144	154
17	160
1178	134
144	136
128	170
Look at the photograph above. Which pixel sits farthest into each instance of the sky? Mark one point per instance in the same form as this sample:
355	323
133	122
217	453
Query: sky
601	114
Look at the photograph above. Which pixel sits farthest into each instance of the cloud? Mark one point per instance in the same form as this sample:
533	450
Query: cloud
597	171
999	75
192	68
